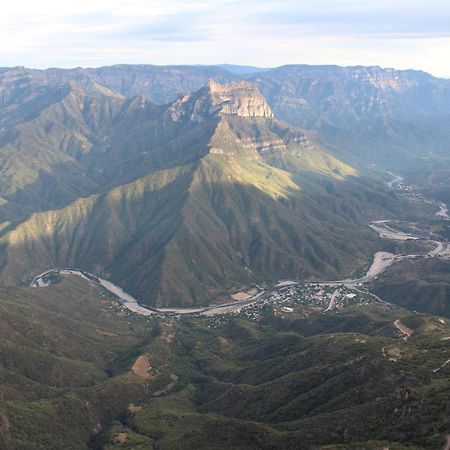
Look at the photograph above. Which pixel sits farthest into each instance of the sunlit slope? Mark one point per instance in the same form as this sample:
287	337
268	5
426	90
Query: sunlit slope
59	142
101	230
189	234
186	235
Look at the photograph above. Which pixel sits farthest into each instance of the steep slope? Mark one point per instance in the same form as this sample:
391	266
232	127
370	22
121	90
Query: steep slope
266	379
394	118
384	116
374	114
387	116
65	362
46	133
418	285
81	140
233	197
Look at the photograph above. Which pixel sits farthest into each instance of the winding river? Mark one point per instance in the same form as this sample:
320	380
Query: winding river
131	303
381	261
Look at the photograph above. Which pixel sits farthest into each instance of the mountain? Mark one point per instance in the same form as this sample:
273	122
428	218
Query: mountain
180	204
378	115
365	115
160	84
185	184
242	70
79	372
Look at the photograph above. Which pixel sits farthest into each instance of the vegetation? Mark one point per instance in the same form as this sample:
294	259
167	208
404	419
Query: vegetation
178	204
185	199
422	285
71	376
266	385
59	350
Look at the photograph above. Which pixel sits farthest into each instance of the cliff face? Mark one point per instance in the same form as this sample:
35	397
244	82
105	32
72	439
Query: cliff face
241	99
380	116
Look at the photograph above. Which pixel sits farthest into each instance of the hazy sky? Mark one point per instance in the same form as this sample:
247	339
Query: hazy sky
395	33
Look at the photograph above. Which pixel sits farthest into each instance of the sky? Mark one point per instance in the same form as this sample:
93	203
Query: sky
265	33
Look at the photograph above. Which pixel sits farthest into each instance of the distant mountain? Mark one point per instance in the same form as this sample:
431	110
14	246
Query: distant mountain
243	70
385	116
179	203
365	115
159	84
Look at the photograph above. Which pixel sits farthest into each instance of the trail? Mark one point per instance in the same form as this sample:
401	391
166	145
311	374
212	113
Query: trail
403	329
332	301
442	366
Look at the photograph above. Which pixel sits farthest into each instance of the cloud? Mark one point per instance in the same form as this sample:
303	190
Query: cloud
169	27
264	32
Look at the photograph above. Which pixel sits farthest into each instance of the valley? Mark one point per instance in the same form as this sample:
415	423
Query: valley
211	187
381	262
269	371
195	257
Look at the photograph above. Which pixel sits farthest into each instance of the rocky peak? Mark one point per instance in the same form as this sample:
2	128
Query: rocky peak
241	98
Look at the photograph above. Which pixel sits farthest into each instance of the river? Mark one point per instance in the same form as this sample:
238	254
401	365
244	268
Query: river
381	261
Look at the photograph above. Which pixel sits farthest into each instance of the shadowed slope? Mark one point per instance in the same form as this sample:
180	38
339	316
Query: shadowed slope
192	200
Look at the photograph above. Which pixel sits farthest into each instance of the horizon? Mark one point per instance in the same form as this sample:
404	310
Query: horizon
402	35
252	69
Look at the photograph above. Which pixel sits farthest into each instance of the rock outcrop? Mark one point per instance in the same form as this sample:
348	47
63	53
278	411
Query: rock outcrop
241	98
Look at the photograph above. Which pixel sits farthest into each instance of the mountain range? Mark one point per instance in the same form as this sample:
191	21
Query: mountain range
366	113
186	184
180	203
78	372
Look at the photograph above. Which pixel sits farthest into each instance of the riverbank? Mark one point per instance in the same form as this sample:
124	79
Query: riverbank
381	261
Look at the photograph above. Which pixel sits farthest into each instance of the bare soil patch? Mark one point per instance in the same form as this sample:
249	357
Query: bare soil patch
141	367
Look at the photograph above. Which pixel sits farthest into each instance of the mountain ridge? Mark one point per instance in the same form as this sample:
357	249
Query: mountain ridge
172	202
365	115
